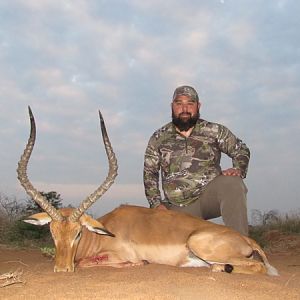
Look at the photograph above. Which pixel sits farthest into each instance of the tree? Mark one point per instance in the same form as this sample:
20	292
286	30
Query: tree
10	208
52	197
264	218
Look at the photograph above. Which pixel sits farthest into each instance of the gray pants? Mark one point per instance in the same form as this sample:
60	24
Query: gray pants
224	196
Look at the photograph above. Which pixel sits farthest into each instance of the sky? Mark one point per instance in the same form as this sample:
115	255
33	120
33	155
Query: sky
68	59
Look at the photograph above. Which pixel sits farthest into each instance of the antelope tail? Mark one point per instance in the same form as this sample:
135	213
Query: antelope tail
269	268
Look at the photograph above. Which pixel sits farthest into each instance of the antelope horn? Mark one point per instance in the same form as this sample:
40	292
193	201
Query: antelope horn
22	175
112	173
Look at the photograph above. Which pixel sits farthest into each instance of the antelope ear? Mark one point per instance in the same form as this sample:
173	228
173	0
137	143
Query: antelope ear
94	225
38	219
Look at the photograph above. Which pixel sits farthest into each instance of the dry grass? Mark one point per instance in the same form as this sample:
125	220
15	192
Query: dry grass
10	278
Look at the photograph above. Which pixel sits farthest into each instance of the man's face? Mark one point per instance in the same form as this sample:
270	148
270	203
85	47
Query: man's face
185	112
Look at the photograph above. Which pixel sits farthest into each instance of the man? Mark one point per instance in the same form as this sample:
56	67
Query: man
187	151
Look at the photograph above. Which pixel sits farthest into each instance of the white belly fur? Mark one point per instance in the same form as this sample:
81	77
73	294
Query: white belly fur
173	255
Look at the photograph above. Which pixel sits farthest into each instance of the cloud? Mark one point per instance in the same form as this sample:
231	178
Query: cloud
241	34
68	59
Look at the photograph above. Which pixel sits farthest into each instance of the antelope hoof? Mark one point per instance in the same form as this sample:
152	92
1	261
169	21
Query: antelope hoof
222	268
228	268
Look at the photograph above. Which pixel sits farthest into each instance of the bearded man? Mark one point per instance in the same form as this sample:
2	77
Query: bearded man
187	152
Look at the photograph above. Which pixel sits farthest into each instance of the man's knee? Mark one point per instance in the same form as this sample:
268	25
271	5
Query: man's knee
233	199
233	184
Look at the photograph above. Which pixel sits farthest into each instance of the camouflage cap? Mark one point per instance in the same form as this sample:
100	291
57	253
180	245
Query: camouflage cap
186	91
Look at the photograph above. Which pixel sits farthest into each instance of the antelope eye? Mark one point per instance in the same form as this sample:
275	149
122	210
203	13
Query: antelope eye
78	236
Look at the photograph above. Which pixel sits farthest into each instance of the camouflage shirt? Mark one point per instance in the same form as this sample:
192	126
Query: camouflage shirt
188	164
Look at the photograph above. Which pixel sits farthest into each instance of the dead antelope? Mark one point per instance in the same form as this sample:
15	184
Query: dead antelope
132	235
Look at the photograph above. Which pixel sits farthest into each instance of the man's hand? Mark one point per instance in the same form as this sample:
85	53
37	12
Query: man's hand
232	172
161	206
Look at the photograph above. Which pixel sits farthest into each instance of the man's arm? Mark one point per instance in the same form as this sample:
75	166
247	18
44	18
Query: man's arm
151	174
237	150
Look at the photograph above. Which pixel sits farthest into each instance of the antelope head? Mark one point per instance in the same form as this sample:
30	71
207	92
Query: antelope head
66	223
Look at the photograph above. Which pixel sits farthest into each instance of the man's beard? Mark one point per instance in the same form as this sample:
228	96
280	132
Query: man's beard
185	124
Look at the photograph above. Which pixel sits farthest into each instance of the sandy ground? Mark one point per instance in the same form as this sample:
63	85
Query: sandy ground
144	282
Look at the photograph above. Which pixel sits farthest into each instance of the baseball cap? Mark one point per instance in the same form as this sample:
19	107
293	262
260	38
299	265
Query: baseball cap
186	90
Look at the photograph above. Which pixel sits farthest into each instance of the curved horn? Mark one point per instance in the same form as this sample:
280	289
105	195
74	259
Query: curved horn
112	173
22	175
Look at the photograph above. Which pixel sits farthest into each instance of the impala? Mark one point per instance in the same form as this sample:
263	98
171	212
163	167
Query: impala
133	235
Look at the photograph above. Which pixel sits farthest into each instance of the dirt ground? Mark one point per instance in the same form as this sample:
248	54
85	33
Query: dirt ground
144	282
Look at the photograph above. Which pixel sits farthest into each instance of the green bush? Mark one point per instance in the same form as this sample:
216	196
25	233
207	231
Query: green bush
257	234
24	234
273	221
12	228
